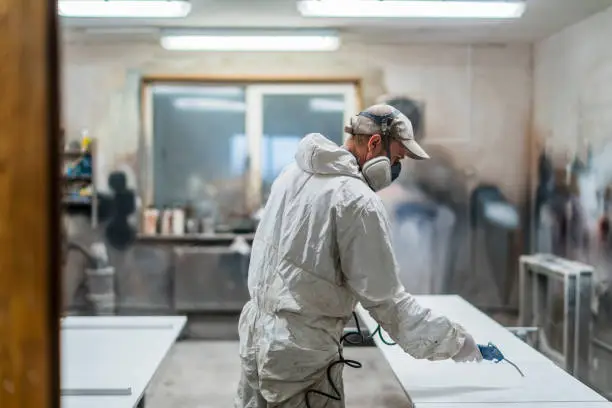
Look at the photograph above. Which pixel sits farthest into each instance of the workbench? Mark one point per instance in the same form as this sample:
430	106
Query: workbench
446	384
108	361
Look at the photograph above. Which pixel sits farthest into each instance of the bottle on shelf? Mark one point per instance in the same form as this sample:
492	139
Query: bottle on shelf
151	216
166	221
178	221
85	141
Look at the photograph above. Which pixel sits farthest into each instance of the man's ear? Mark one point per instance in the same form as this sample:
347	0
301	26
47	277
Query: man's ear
374	143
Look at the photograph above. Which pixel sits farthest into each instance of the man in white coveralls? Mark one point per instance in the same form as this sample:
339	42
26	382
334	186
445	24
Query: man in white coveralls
322	245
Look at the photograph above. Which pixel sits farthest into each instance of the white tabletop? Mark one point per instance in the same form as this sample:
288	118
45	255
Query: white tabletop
449	382
113	355
175	323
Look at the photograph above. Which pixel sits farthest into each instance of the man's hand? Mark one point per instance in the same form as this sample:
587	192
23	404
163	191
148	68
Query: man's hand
469	352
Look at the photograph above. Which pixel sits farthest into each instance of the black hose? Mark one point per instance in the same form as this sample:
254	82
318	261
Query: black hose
363	339
336	396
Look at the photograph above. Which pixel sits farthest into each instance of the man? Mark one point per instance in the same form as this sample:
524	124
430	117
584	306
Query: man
323	245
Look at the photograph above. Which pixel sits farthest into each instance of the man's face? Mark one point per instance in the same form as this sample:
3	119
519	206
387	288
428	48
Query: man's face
376	148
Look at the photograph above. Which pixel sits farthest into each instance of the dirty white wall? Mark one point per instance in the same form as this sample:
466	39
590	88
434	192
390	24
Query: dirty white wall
478	98
573	103
573	85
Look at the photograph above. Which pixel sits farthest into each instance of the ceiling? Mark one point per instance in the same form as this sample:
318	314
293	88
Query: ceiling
541	19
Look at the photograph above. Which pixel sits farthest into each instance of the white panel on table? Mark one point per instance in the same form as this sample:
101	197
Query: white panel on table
487	382
109	353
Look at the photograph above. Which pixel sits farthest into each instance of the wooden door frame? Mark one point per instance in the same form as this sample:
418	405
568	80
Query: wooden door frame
30	278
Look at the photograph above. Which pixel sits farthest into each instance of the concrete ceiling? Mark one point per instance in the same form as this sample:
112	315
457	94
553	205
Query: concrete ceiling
541	19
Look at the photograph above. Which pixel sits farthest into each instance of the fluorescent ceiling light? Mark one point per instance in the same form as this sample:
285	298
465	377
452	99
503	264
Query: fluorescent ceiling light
124	8
326	105
254	41
198	90
412	8
209	104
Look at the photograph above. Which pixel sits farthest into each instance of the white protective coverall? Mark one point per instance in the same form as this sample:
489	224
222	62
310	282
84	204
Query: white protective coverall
322	245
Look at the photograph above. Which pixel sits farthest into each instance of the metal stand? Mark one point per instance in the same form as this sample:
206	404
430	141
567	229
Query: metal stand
555	296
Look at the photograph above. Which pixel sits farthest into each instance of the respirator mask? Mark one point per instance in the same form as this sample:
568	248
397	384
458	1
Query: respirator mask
379	172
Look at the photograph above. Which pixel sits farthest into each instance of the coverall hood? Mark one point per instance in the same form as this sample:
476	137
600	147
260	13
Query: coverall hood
318	155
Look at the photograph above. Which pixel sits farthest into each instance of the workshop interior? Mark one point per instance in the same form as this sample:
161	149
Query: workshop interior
176	116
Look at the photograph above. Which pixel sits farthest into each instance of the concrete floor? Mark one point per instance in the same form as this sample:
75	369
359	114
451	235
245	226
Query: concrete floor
204	374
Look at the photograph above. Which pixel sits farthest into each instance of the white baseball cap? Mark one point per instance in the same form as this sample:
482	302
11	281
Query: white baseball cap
385	120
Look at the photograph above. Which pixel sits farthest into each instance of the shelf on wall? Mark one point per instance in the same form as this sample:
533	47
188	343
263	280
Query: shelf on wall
86	179
77	201
210	239
74	154
74	204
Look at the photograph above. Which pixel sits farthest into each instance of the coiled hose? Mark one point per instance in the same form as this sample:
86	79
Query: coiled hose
336	396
